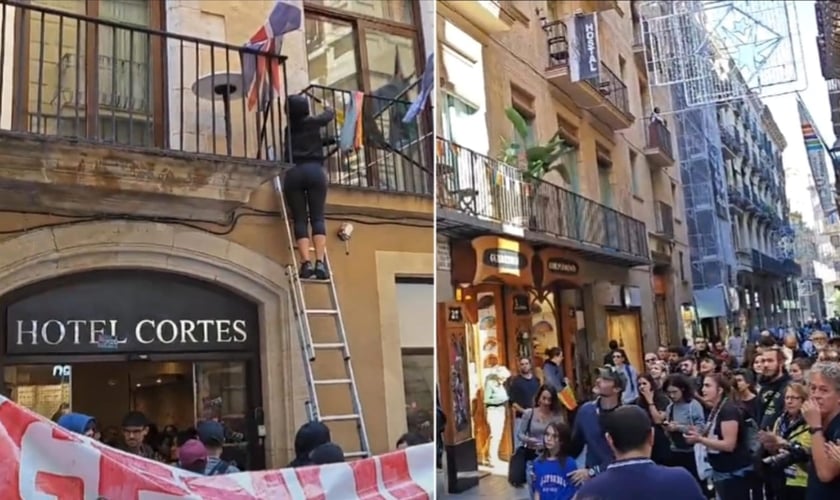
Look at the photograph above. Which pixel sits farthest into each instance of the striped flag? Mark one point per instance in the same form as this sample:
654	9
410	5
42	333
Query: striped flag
426	87
263	74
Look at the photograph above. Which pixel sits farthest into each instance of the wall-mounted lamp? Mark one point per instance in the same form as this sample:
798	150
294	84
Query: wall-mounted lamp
345	232
541	15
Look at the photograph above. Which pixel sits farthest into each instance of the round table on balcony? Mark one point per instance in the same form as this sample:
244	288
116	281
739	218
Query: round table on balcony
225	87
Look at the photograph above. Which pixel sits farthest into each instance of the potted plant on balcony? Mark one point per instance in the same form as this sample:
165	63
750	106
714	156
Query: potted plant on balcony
534	160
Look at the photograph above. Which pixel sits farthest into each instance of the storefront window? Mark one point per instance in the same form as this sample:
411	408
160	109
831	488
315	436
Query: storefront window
418	381
544	329
44	389
399	11
220	395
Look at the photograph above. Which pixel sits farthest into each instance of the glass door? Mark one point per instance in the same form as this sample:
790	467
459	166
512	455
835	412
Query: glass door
227	392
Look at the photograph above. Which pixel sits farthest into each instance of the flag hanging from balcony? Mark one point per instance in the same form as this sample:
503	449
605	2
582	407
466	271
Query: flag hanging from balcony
427	84
352	129
263	74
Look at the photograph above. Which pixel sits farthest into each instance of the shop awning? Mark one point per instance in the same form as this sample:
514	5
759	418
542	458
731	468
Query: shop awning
711	302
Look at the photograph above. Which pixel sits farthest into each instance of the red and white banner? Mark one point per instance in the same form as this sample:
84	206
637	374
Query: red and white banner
41	461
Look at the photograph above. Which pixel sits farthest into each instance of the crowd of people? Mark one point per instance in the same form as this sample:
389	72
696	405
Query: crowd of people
201	449
749	418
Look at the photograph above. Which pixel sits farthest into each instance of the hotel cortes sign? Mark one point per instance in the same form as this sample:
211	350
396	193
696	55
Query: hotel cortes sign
129	312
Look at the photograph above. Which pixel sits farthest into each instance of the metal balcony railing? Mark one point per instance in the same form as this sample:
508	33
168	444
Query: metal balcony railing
607	83
766	263
135	86
393	157
558	44
487	189
612	88
658	136
664	220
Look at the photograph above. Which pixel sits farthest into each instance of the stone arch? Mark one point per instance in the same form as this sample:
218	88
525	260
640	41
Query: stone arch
56	251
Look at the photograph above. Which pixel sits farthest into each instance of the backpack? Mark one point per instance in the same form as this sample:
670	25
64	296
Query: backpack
220	468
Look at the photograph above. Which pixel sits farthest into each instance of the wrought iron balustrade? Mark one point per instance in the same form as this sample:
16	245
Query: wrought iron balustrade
612	88
659	136
101	81
487	189
388	155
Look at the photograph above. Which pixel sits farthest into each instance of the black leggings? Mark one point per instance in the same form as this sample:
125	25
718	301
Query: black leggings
305	190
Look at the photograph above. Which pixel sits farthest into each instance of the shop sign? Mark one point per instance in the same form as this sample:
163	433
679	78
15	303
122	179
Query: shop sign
562	266
504	259
129	312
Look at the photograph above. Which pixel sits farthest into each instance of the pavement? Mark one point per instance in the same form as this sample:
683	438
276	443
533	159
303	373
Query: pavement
490	486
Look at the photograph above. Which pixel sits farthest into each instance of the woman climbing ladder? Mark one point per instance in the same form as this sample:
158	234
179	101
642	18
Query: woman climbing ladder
305	184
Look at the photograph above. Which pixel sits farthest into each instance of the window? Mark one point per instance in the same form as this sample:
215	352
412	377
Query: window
114	94
335	31
634	181
682	265
529	123
605	183
463	123
400	11
415	297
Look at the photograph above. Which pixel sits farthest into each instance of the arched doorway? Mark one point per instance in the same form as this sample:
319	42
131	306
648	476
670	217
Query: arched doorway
48	254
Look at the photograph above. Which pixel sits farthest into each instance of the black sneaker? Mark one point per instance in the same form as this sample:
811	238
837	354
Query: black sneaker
306	271
321	272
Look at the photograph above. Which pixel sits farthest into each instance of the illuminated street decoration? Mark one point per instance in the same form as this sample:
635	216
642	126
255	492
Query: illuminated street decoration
722	50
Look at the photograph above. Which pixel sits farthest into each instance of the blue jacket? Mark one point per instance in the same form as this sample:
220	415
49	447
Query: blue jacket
76	422
553	375
588	432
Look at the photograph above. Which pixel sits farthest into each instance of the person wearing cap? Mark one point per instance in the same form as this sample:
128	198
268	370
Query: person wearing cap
212	435
192	456
78	423
135	428
629	433
588	433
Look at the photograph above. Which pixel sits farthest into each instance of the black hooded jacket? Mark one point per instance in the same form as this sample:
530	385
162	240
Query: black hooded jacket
310	436
306	140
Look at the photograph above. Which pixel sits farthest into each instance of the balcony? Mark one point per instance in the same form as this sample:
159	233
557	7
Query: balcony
731	140
765	264
489	15
664	220
659	148
394	157
605	96
132	124
478	194
640	46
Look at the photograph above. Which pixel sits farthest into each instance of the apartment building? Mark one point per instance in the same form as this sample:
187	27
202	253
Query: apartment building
143	247
764	239
528	263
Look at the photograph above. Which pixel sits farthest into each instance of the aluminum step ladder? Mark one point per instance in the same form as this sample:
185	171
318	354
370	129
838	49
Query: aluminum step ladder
310	348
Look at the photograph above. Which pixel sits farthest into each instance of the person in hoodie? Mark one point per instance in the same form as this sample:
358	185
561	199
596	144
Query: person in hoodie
310	436
588	431
305	184
78	423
